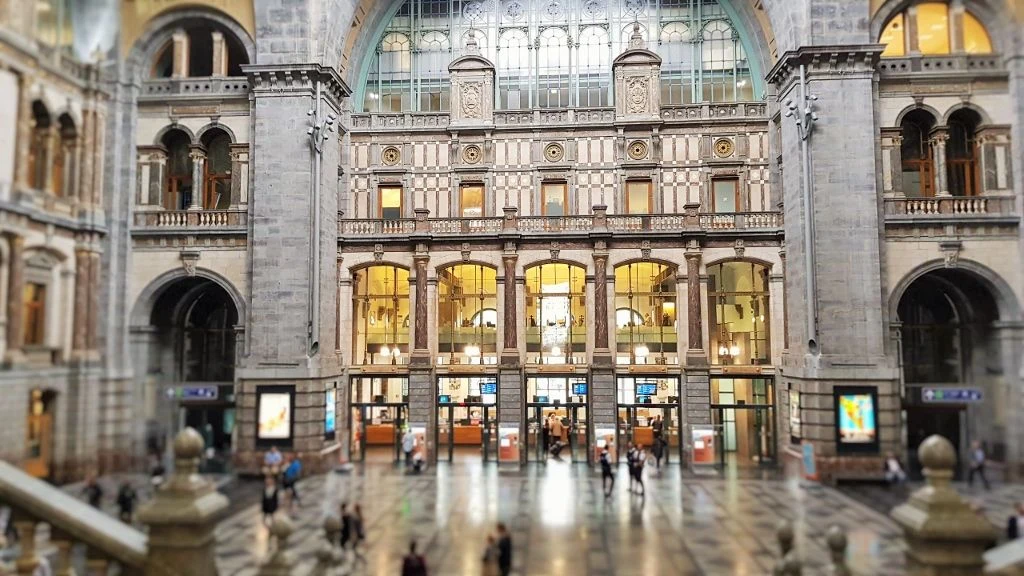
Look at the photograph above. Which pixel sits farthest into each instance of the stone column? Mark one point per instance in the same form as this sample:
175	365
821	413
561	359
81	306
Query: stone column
694	326
510	336
15	305
92	320
938	144
157	169
198	156
239	174
696	395
220	54
420	346
24	132
510	381
81	313
51	149
602	373
943	534
180	40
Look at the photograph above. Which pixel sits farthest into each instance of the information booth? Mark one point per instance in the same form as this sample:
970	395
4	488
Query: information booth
467	418
556	411
648	412
377	419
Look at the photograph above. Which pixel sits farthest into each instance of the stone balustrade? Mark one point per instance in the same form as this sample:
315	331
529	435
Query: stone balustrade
216	219
957	206
510	223
157	89
973	64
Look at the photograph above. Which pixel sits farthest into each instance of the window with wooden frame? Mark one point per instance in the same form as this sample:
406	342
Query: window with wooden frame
639	197
34	301
961	154
390	202
471	200
916	154
178	182
725	195
217	176
554	198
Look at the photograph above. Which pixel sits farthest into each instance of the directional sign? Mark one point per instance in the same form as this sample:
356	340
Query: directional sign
952	395
198	392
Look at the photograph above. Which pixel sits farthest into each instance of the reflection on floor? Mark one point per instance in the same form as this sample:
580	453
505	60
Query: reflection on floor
562	525
379	454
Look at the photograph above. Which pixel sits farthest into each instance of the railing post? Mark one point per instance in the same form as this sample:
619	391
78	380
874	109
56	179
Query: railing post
836	540
27	561
600	218
511	221
943	534
789	562
183	515
281	561
691	218
422	225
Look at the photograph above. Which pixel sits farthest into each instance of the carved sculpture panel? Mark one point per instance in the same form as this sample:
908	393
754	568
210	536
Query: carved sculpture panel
637	88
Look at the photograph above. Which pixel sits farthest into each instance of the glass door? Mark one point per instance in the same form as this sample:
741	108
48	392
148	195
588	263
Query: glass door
748	435
624	430
579	437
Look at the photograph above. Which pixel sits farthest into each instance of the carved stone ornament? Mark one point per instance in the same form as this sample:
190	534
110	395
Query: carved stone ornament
471	100
636	94
189	260
390	156
554	152
950	253
724	147
378	252
554	251
645	249
740	248
637	150
465	252
472	154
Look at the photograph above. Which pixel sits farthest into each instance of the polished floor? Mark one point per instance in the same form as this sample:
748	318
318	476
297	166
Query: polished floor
562	525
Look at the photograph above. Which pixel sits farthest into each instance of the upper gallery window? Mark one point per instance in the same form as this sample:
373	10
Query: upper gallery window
554	53
380	303
471	201
739	316
198	51
467	314
932	28
54	23
645	313
390	202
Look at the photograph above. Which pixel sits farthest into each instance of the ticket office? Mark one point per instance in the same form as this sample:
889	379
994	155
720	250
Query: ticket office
556	411
467	417
379	408
645	404
743	408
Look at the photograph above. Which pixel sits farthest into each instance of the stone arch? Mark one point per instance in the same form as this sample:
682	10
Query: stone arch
534	263
143	307
1006	299
639	259
213	127
363	266
159	30
984	117
991	15
158	139
935	114
767	264
471	262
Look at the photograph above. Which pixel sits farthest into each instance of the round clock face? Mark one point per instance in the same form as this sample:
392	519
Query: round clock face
723	147
638	150
554	152
472	154
390	156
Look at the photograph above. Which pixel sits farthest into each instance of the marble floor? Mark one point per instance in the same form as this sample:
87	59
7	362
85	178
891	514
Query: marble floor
562	525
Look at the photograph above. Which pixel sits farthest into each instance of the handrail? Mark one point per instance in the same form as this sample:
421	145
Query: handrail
70	516
949	206
191	218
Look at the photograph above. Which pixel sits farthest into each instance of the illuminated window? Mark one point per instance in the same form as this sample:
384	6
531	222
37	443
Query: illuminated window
638	197
594	68
933	28
178	182
467	314
54	19
390	202
645	313
916	154
380	304
739	316
893	37
556	328
554	199
724	195
35	314
936	32
976	38
471	201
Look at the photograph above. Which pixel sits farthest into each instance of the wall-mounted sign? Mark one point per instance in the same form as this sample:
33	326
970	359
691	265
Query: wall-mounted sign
952	395
856	410
330	413
198	392
274	413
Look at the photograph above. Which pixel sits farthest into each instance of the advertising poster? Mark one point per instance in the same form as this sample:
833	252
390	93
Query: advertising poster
605	437
856	418
508	444
703	445
794	414
275	416
330	414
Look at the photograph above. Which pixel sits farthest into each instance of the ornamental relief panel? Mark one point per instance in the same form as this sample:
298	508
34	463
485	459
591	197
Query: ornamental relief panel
637	89
471	100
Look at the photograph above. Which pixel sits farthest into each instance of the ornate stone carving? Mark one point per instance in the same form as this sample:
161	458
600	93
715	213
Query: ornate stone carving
472	154
637	88
645	249
189	260
466	253
554	251
739	247
637	150
390	156
378	252
950	253
554	152
471	100
724	147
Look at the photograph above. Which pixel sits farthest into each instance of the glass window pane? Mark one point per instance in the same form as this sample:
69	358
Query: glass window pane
933	28
724	200
638	197
390	203
554	199
472	202
892	37
976	38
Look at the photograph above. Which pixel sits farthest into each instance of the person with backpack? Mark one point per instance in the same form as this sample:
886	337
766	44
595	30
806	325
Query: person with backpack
504	550
631	463
414	564
358	534
270	499
290	477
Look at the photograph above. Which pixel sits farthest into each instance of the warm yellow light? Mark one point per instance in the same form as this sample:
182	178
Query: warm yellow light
893	37
385	351
976	38
933	28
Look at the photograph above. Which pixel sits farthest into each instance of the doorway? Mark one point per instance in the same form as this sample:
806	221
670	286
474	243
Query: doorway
467	431
39	434
743	408
924	421
640	424
572	427
376	432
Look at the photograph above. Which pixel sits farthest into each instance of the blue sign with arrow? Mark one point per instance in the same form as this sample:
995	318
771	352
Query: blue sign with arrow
952	395
199	392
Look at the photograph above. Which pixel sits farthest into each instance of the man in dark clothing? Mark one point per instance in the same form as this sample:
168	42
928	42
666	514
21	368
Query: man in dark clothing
270	499
606	473
414	564
126	498
504	550
346	526
1015	525
93	491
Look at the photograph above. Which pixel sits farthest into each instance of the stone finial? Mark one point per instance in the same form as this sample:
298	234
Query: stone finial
471	45
944	535
281	562
835	537
636	39
788	563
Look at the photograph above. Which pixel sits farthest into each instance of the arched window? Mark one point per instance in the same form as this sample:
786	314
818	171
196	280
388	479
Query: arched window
62	178
555	54
961	154
208	50
38	150
645	314
54	22
916	154
931	28
594	67
217	177
178	182
467	317
739	314
556	328
380	304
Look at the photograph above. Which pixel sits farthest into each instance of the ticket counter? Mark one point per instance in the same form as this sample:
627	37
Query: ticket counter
377	418
557	411
467	418
648	415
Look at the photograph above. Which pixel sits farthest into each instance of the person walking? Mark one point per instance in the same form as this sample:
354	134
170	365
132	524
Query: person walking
504	550
607	477
358	534
290	477
631	464
491	557
658	449
556	431
977	465
93	491
1015	524
272	462
638	467
346	527
270	499
414	564
126	497
408	446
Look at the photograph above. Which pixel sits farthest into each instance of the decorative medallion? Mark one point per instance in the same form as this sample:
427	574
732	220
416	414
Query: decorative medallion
637	150
472	154
554	152
594	8
390	156
473	11
514	10
471	100
554	9
723	147
636	94
635	7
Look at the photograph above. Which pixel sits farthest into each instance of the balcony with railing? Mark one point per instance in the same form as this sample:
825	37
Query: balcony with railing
983	209
212	87
191	221
599	221
942	65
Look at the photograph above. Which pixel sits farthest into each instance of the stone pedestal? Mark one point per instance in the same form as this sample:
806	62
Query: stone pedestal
945	537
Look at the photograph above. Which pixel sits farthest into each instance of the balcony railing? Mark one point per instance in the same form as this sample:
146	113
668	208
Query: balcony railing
949	207
207	219
943	65
215	87
745	221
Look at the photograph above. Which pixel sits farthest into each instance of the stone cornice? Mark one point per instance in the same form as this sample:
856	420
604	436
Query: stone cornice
825	60
296	78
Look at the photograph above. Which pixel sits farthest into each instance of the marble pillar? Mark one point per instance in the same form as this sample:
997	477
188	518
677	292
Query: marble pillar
694	335
220	54
180	40
420	341
601	350
510	337
81	313
938	144
15	306
198	157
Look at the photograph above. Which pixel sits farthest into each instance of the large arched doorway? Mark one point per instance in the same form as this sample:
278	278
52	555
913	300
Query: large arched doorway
950	342
192	355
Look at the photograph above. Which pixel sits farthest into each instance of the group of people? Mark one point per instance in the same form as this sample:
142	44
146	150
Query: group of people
279	473
126	497
895	474
554	435
497	556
